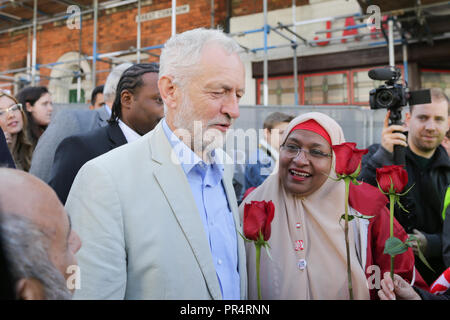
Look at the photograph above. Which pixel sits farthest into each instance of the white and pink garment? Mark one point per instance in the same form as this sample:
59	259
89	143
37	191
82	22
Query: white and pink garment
442	284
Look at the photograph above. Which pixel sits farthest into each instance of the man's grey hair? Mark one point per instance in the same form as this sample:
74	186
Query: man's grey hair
182	52
109	92
26	249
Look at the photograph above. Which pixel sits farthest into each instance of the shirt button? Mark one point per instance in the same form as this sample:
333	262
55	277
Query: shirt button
219	261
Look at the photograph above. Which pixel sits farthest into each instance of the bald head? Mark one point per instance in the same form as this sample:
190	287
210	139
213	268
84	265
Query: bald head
31	200
25	195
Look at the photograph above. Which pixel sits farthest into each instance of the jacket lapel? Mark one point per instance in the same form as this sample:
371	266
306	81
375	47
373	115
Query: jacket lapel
174	183
231	197
103	116
115	135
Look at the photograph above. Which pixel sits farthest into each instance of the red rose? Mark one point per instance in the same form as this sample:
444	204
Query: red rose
348	158
257	217
398	175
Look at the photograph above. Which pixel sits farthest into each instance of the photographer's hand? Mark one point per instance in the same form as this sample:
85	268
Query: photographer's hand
389	137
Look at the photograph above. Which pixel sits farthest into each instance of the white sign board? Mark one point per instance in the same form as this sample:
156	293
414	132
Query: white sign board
158	14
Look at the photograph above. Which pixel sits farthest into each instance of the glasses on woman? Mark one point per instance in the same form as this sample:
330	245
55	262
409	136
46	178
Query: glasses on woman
14	107
292	151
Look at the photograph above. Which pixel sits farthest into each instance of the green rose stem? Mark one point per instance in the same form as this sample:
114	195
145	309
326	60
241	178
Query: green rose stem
258	258
347	247
391	208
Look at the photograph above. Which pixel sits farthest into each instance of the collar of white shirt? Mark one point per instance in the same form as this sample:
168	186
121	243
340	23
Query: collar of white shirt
129	133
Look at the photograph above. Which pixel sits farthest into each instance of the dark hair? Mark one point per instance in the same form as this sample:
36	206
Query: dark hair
275	118
95	92
31	95
130	80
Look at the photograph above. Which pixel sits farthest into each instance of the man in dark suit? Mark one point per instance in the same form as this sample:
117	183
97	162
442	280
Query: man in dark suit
70	122
137	109
6	159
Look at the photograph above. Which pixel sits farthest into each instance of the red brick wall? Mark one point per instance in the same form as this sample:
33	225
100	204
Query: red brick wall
117	31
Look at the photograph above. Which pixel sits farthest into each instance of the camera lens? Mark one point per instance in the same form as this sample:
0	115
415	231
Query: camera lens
385	98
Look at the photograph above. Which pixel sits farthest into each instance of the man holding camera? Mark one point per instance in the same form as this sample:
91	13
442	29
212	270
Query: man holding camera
428	167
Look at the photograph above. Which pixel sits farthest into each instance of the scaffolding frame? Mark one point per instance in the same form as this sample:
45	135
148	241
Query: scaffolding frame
295	41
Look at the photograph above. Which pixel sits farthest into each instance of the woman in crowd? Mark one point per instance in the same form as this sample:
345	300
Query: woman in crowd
307	240
14	122
37	104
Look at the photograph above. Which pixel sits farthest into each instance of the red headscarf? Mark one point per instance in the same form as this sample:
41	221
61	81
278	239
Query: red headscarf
314	126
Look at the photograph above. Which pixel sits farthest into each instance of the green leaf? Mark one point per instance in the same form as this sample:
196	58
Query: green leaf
402	194
381	190
243	237
394	246
350	217
397	200
356	173
420	254
356	182
361	216
267	247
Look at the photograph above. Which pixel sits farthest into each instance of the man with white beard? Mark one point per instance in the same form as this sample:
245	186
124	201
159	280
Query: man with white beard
158	217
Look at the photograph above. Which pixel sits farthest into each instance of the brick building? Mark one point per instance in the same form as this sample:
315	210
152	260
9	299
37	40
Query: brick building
332	62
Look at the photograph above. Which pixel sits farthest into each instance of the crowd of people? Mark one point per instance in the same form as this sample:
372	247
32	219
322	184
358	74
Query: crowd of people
134	192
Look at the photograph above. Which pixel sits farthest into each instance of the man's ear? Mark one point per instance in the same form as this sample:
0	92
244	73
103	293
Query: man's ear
407	119
30	289
28	107
168	91
126	99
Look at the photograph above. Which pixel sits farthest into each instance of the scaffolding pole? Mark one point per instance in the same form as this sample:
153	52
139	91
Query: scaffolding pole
294	60
174	17
265	66
138	37
94	46
33	46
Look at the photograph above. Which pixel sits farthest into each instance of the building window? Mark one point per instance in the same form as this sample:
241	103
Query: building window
346	87
281	91
436	79
326	88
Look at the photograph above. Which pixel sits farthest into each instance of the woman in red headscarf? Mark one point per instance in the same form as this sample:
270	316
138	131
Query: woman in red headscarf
307	241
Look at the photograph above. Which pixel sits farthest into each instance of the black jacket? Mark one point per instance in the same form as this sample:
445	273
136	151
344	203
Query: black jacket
6	159
446	238
74	151
424	202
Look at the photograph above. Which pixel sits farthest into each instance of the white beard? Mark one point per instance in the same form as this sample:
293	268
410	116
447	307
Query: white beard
195	133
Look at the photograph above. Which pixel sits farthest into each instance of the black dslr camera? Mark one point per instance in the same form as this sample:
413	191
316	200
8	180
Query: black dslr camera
394	96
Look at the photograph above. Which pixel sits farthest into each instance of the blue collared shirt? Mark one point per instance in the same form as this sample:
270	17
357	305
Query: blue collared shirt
209	194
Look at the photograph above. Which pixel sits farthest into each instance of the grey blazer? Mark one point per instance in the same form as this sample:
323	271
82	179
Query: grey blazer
142	235
66	123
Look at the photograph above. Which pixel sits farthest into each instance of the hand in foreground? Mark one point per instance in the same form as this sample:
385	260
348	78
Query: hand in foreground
389	138
397	289
421	241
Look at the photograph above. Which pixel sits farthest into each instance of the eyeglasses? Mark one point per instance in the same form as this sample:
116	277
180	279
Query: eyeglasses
14	107
292	151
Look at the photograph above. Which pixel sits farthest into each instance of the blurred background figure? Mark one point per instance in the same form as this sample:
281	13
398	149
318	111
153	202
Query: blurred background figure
262	163
37	104
97	99
137	110
13	122
6	159
74	121
37	237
